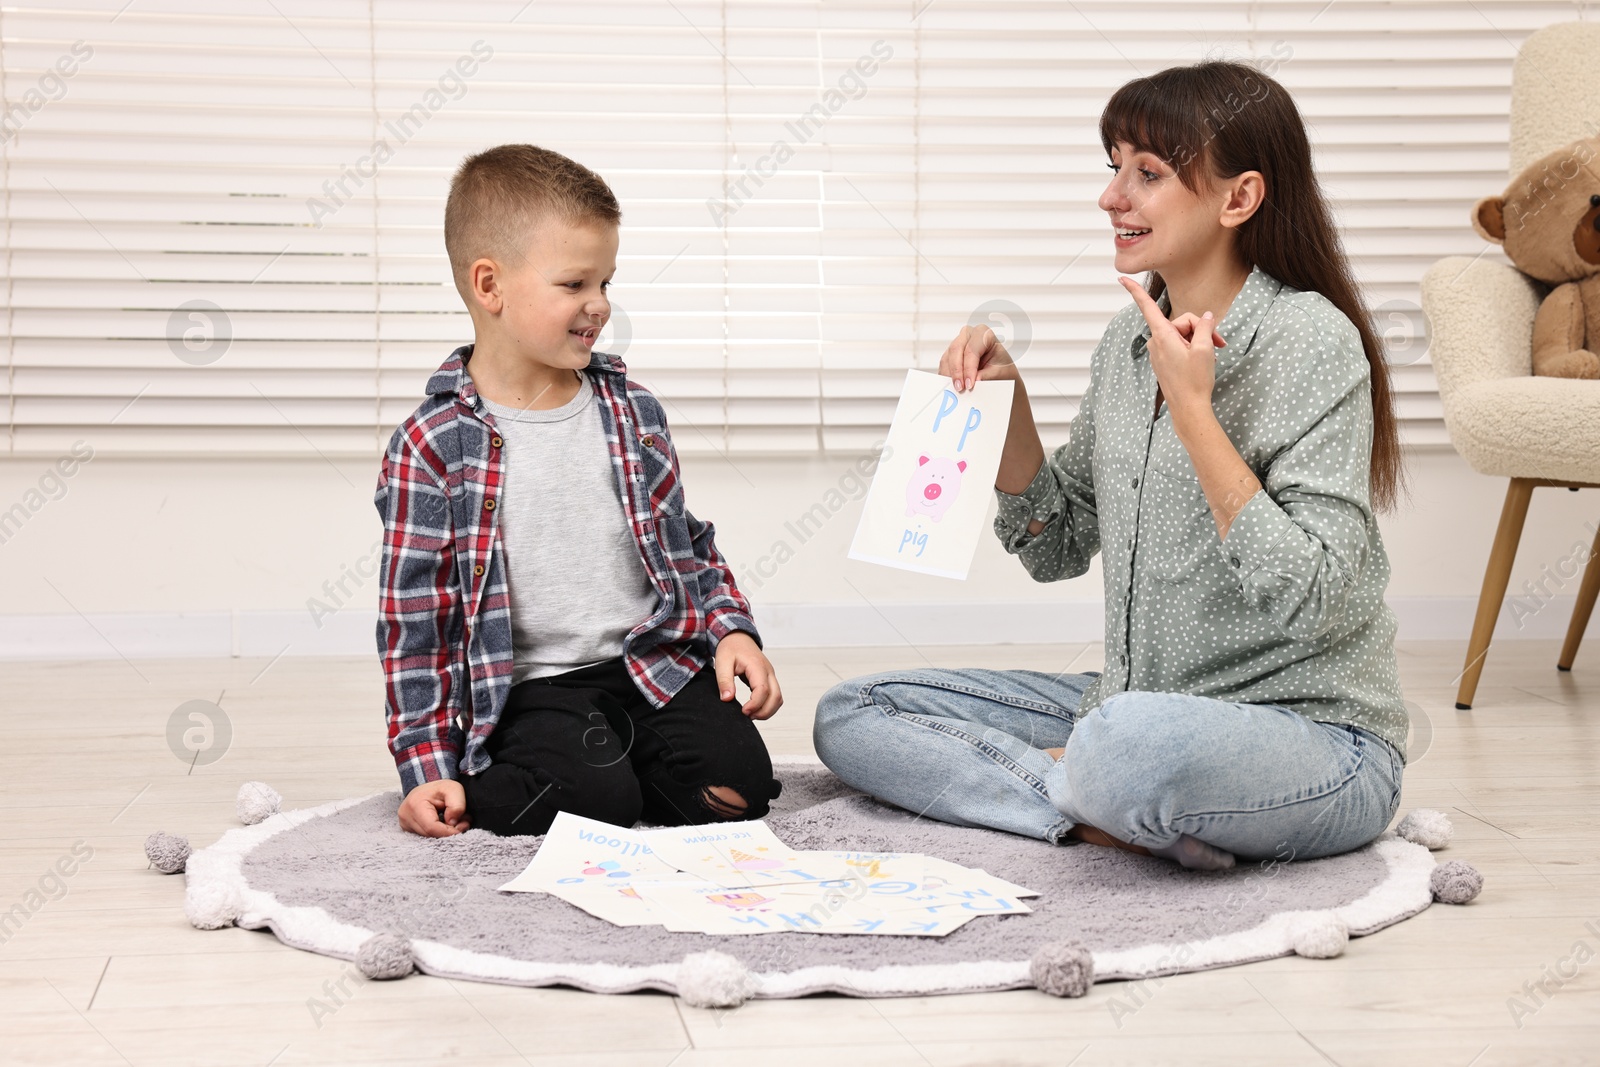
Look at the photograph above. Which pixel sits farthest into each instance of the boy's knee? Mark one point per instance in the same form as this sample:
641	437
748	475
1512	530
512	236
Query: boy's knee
751	794
724	802
526	803
523	807
617	801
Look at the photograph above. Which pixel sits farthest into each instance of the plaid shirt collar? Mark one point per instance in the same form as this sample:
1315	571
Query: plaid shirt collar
452	376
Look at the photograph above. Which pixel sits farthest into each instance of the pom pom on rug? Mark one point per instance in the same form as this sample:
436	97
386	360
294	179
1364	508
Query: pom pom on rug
167	853
385	956
714	980
1426	827
1319	936
211	905
1455	882
1062	969
257	802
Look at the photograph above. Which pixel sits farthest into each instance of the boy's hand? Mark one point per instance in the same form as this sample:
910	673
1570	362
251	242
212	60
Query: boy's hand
738	655
420	810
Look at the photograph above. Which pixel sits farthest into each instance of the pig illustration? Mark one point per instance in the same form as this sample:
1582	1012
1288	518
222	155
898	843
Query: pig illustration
933	487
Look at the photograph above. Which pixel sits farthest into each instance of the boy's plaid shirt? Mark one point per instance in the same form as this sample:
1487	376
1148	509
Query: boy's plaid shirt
444	612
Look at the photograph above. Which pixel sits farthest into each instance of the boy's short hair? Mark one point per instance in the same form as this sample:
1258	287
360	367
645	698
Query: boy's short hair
500	194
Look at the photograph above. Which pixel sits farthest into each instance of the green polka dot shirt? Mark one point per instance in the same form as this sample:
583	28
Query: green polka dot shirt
1289	608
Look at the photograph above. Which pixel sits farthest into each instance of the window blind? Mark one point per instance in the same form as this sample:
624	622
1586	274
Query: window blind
222	221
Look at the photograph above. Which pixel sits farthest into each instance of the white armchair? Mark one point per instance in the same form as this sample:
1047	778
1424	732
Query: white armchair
1504	421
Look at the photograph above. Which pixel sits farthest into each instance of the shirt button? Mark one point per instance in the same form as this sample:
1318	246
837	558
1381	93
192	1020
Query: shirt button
495	441
1130	543
488	505
648	440
1234	560
477	572
1136	481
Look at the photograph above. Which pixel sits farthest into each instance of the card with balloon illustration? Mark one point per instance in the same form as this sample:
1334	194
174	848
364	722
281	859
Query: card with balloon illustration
929	501
579	854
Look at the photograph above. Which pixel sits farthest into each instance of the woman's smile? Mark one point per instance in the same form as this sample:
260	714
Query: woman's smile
1128	236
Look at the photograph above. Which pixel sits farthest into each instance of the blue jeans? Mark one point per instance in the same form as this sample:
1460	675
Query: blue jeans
967	747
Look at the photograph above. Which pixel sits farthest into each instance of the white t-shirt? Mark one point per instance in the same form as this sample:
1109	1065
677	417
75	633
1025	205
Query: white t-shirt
577	583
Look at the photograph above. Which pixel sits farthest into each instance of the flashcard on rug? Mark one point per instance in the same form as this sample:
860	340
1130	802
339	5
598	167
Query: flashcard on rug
583	852
791	909
740	855
620	905
974	900
877	866
959	887
930	494
909	924
810	909
714	909
940	872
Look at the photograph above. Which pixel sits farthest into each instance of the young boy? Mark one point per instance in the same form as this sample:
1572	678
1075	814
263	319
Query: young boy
541	576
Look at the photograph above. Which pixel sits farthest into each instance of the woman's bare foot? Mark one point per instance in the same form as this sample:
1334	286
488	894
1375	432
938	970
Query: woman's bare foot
1186	851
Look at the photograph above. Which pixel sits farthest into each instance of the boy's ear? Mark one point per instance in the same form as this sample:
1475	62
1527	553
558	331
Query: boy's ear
1489	219
483	282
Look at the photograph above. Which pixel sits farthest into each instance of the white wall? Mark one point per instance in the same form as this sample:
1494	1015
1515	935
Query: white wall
204	556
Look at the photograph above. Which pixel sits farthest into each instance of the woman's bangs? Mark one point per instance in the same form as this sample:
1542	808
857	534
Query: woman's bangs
1153	119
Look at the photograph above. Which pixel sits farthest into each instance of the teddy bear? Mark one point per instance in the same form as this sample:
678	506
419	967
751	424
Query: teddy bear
1549	222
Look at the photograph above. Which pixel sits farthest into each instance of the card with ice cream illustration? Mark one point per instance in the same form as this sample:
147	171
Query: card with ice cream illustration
930	496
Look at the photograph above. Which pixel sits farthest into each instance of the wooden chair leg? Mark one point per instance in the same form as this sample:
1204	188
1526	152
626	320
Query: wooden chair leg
1495	579
1583	609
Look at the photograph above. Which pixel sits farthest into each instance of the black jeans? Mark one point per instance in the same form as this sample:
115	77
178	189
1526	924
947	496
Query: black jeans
589	743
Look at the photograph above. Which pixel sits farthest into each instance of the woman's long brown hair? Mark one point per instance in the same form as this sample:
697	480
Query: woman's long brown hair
1218	119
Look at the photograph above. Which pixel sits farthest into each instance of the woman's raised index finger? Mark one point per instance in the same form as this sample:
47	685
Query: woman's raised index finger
1151	310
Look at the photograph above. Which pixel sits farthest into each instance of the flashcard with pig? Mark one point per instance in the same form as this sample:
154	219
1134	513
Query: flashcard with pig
930	496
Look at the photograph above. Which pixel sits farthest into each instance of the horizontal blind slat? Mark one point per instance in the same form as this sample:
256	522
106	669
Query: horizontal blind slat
202	154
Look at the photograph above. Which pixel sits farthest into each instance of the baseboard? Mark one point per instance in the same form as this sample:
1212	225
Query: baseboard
351	633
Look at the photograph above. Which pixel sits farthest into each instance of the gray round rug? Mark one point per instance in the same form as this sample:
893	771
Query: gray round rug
326	879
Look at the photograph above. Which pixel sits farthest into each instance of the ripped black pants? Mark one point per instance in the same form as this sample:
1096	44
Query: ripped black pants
589	743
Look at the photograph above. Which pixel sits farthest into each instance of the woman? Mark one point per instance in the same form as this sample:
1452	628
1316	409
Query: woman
1237	432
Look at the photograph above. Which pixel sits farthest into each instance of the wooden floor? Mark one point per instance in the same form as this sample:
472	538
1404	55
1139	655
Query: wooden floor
105	970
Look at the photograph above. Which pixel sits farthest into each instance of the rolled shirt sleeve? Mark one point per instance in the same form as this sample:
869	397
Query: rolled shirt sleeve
1061	496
